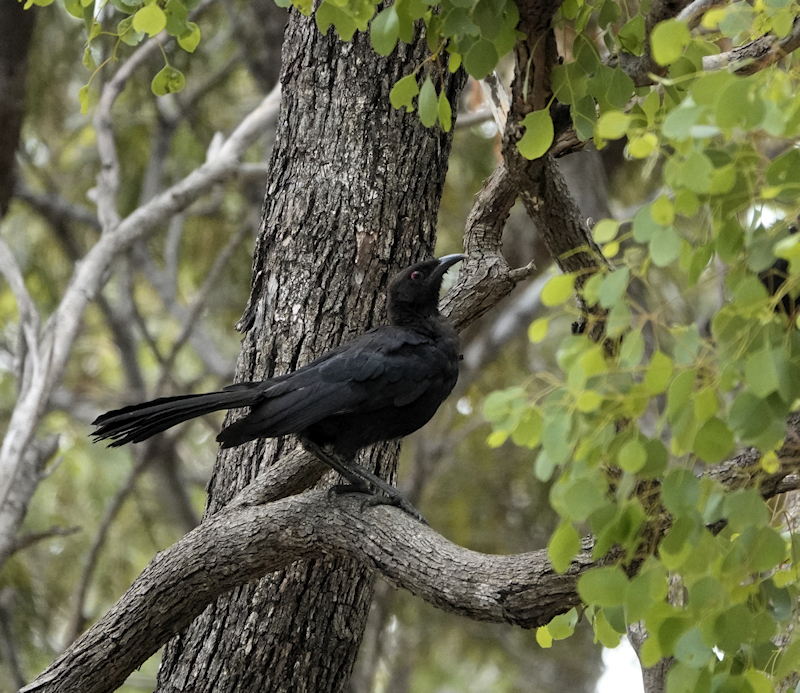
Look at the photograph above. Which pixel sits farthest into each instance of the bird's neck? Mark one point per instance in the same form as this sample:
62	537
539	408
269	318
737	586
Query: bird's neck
428	322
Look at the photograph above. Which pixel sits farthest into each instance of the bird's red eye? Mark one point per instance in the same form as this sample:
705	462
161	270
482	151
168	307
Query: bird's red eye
416	275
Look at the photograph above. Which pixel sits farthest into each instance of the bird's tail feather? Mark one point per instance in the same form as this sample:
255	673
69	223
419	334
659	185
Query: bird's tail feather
138	422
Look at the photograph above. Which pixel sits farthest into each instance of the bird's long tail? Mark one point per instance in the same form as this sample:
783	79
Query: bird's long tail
138	422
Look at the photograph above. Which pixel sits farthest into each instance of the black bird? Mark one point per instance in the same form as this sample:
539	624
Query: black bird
384	384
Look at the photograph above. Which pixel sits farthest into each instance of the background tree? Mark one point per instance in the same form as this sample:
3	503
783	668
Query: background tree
634	424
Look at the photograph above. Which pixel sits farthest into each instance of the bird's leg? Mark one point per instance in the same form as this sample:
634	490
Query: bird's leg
358	480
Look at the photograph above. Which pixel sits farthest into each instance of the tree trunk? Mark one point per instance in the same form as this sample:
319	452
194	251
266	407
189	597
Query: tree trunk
16	30
352	196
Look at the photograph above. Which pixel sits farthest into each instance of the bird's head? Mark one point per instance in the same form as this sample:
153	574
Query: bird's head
414	291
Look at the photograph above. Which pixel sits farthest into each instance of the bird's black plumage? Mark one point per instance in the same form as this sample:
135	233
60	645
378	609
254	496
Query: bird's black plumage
384	384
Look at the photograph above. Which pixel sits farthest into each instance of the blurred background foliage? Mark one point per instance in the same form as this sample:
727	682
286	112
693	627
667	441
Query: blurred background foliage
113	509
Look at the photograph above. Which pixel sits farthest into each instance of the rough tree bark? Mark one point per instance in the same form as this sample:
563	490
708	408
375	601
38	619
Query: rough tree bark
16	30
352	196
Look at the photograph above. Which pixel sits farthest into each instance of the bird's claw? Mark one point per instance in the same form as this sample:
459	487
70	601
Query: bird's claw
373	498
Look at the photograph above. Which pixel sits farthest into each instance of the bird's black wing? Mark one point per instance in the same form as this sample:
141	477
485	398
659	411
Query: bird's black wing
384	367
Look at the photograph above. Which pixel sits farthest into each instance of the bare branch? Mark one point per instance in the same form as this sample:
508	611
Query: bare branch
485	277
191	318
693	12
238	545
78	619
57	209
30	538
756	55
28	315
8	645
62	327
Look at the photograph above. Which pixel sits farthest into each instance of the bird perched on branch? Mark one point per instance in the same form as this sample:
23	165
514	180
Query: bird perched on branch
382	385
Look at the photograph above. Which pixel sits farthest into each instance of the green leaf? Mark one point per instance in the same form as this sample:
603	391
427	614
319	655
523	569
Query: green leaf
487	18
177	15
632	349
127	34
328	14
454	62
606	635
784	170
755	423
83	97
746	509
766	550
588	401
563	625
665	247
445	113
668	40
692	651
558	289
404	91
605	230
569	82
657	458
584	115
190	38
537	330
428	103
610	86
645	227
714	441
150	20
631	36
680	492
679	392
612	125
761	372
528	432
563	546
619	319
457	23
789	661
385	30
662	211
88	59
74	8
733	628
613	288
167	81
610	12
605	586
481	59
632	456
643	146
538	135
658	374
556	440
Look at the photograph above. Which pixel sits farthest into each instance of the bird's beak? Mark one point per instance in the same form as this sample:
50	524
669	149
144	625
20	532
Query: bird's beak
445	263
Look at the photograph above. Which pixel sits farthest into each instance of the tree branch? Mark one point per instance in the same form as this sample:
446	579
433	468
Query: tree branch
241	544
61	329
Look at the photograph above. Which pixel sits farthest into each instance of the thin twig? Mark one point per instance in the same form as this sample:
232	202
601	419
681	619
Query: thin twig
190	320
78	619
23	541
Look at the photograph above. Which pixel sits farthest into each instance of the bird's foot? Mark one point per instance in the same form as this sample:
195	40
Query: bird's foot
354	488
373	498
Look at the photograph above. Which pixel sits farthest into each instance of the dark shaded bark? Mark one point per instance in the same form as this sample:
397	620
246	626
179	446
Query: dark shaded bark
352	196
16	30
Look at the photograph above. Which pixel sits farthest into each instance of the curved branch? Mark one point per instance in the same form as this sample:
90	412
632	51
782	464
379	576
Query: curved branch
62	328
241	544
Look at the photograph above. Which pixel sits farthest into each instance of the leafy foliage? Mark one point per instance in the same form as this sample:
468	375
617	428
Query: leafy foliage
623	432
